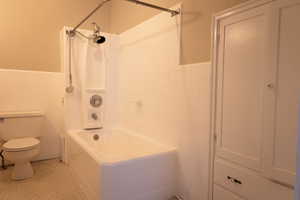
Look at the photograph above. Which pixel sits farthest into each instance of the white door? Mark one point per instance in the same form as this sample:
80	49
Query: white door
281	137
241	67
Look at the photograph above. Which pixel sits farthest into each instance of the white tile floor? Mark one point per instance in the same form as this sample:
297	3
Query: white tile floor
52	181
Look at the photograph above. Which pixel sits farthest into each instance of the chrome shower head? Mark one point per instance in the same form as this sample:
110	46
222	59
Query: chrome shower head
97	38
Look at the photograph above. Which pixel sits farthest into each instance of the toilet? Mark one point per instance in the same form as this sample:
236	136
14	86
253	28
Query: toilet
20	133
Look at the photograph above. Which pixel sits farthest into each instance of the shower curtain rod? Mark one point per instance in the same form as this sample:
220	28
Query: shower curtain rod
173	12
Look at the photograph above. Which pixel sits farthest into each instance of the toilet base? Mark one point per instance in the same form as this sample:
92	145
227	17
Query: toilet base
21	159
22	171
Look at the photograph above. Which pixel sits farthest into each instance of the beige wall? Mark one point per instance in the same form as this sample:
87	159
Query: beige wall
196	22
29	36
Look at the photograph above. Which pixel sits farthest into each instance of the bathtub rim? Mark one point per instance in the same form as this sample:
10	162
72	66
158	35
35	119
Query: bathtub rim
73	135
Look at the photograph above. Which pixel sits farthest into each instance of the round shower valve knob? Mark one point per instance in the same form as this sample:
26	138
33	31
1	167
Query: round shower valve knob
96	101
94	116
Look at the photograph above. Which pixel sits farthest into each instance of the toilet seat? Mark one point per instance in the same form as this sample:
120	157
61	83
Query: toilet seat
20	144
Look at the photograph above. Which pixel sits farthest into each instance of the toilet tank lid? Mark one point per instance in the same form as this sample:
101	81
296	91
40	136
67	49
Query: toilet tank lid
20	114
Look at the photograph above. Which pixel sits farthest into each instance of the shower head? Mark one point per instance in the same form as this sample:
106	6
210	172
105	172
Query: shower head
99	39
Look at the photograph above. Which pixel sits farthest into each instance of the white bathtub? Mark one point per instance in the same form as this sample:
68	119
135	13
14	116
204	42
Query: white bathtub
121	166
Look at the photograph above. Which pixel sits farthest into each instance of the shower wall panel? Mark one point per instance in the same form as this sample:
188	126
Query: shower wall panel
164	101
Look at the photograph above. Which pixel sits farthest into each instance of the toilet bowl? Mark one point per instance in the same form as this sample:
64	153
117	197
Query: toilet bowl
21	151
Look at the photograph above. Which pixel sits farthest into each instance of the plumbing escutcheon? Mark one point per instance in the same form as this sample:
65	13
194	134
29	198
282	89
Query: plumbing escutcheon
96	101
94	116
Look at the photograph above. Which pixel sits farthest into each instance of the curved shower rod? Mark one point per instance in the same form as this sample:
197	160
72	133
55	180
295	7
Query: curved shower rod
173	12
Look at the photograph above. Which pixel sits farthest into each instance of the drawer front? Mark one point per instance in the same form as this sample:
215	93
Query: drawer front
248	184
222	194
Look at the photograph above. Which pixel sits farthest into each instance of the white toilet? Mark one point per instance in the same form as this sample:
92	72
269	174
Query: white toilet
20	132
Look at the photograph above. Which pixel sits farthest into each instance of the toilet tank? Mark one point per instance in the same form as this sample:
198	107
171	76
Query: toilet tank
20	124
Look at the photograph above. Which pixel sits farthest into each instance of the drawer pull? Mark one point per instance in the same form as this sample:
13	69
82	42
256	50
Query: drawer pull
233	180
238	181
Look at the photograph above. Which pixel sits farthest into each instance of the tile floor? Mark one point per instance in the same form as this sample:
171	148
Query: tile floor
52	181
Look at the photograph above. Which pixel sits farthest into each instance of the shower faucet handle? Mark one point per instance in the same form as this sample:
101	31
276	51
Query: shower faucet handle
96	101
94	116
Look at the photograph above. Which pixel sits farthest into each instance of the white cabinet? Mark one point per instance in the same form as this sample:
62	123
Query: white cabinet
257	96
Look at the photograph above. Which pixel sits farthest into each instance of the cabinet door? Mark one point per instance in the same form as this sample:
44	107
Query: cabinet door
241	67
280	162
222	194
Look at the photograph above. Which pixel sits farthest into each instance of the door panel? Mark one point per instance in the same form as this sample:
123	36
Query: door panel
283	133
240	88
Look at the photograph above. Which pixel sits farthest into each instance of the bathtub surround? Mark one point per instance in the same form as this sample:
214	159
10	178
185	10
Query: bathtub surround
157	98
97	78
144	169
31	91
165	101
94	85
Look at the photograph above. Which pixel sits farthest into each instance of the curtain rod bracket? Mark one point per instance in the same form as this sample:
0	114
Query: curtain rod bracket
175	12
71	33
